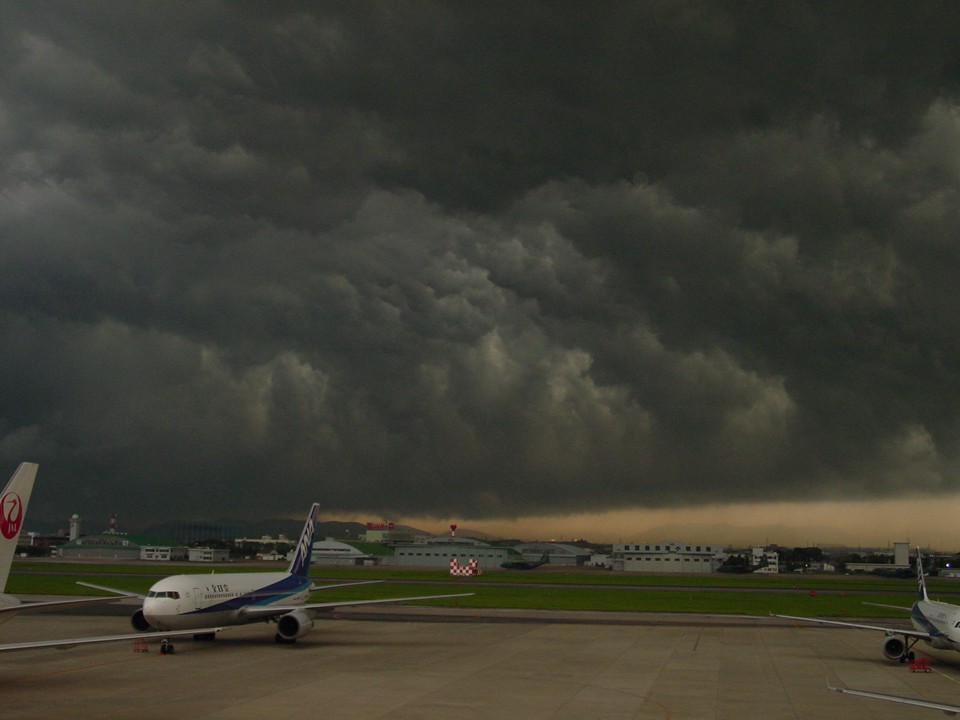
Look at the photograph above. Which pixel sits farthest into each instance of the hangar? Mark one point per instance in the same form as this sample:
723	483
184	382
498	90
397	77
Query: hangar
436	553
559	553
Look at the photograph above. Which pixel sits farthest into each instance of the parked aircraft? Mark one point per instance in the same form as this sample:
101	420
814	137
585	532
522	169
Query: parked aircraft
743	569
184	602
945	708
936	623
526	564
13	509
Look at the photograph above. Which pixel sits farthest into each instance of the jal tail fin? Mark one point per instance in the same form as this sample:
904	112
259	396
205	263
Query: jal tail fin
13	508
921	583
300	565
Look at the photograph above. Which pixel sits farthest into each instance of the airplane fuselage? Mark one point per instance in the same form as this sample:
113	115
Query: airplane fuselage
182	602
941	620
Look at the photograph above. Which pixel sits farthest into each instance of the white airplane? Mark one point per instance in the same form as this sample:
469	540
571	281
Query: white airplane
195	602
13	509
936	623
945	708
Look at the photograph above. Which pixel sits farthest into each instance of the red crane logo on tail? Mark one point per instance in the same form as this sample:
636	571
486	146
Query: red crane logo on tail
11	515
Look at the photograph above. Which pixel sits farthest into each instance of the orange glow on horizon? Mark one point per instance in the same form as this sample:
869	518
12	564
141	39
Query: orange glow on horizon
930	522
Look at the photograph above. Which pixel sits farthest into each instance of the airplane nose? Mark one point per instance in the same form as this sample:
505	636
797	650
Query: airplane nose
151	611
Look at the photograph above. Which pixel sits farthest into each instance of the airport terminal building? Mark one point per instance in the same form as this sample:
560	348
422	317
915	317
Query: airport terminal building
667	557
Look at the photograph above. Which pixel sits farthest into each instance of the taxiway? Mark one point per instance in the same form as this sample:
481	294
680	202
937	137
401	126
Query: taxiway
411	666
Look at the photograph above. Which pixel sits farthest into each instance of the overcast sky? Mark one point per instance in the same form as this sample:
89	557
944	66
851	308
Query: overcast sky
478	260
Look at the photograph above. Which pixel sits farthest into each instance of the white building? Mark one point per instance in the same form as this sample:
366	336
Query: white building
163	552
205	554
768	561
601	560
901	561
667	557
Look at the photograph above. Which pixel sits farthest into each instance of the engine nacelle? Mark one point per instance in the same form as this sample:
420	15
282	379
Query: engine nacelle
893	647
139	622
294	625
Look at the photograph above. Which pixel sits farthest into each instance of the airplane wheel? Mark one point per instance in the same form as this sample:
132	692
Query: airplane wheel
911	657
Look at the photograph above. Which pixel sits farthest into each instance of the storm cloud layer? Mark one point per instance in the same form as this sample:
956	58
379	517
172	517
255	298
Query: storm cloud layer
478	259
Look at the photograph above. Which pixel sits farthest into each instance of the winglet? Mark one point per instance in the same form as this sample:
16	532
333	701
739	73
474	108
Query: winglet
300	564
13	508
921	583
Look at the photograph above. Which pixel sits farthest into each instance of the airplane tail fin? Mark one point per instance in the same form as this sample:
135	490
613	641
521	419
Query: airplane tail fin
921	583
300	565
13	507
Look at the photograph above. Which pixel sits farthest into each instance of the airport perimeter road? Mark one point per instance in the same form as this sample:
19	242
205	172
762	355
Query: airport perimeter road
407	669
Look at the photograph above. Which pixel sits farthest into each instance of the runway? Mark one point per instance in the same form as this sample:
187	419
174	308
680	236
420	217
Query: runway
406	666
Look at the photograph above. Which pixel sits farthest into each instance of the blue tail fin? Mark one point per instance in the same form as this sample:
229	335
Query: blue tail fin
921	583
300	565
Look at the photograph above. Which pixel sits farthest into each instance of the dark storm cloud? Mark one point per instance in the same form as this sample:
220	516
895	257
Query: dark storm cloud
484	261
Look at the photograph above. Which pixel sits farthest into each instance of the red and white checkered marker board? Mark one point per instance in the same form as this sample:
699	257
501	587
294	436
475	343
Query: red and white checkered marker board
471	569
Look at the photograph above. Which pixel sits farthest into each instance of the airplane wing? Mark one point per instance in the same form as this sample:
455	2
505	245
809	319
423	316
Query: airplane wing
72	642
888	630
8	610
889	607
125	593
314	588
943	707
268	611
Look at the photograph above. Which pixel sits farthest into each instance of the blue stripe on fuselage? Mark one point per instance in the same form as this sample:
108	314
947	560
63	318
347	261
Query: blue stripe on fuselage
267	595
922	622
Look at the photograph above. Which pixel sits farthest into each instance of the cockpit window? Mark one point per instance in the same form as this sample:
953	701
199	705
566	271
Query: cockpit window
164	594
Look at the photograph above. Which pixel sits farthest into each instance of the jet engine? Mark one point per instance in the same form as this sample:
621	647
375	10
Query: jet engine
894	648
139	622
293	625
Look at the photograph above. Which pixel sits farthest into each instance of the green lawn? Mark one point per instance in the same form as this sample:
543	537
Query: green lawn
806	595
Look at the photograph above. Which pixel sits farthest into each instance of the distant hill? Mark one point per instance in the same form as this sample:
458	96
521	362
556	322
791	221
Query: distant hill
732	535
189	531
